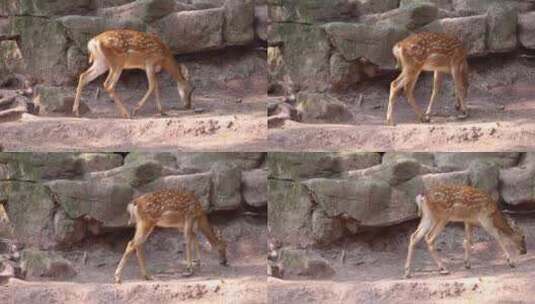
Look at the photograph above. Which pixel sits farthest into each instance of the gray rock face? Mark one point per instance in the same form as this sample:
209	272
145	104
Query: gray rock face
226	182
254	187
35	227
344	73
373	42
56	100
502	26
322	108
461	161
146	10
472	31
37	264
238	28
295	263
526	30
198	30
517	184
311	11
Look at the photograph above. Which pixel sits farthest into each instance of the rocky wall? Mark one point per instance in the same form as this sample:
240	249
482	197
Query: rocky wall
315	199
55	200
320	46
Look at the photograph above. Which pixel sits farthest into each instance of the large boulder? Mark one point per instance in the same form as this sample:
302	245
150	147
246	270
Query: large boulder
410	17
393	172
238	28
38	166
226	180
474	7
323	108
68	231
146	10
135	174
94	162
37	264
50	100
472	31
424	158
30	208
202	162
311	11
103	200
305	52
526	30
367	201
43	45
326	229
254	187
502	22
484	175
289	212
191	31
461	161
40	8
374	42
365	7
297	166
299	263
517	184
199	183
343	73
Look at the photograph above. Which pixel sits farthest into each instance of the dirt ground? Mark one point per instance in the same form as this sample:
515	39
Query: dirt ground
227	123
501	105
373	272
243	281
229	112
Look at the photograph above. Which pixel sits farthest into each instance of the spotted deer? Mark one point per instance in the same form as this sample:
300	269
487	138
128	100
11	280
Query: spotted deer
117	50
427	51
455	203
171	209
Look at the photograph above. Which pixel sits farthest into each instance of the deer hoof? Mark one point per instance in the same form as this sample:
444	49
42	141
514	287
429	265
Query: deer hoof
117	280
467	265
425	118
390	123
407	275
147	277
187	273
444	271
463	115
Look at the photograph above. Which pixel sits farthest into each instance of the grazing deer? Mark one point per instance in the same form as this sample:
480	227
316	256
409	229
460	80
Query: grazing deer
173	209
117	50
452	203
428	52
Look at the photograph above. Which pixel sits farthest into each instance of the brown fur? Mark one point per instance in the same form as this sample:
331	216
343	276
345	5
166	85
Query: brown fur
172	209
458	203
427	51
117	50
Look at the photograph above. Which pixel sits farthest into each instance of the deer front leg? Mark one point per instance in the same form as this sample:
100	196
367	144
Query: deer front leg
436	89
420	232
142	232
459	78
109	86
98	68
188	226
489	226
430	240
197	259
467	245
395	88
153	84
410	83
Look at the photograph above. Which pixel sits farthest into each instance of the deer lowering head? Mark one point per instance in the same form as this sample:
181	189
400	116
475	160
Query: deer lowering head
439	53
455	203
117	50
172	209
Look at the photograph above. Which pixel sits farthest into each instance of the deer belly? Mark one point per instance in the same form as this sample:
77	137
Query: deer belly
171	220
437	62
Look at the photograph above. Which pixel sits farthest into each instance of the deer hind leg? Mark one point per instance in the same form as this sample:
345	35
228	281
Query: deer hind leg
153	87
467	244
436	89
188	237
421	231
409	84
109	86
489	226
98	68
197	257
142	233
395	89
430	238
460	77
